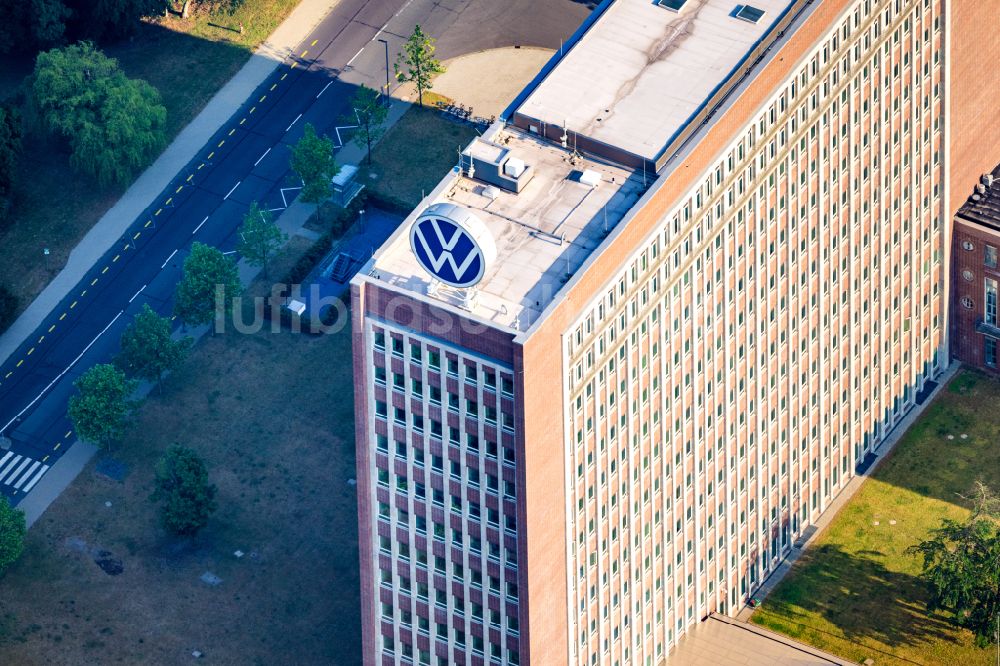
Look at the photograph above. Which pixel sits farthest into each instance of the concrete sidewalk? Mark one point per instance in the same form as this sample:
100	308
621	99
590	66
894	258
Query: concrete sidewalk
158	176
852	487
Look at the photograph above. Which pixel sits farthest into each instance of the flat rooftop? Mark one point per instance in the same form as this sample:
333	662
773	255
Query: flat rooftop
639	74
543	233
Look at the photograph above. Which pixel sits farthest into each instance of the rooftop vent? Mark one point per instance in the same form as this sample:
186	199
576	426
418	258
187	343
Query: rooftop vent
749	13
590	177
672	5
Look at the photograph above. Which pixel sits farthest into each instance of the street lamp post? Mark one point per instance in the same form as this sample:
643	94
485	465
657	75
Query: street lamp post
386	45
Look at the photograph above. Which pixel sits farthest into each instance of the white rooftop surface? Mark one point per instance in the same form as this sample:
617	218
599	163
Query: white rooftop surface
542	235
640	72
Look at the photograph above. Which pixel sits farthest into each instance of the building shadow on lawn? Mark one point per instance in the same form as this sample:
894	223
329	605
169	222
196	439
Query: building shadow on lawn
859	596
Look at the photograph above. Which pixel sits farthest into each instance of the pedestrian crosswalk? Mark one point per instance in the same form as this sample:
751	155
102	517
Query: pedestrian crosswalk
20	473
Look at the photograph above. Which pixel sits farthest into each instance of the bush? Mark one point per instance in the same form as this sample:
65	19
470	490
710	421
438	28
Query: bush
8	308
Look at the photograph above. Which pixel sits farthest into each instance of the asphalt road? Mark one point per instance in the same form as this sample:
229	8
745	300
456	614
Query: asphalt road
247	160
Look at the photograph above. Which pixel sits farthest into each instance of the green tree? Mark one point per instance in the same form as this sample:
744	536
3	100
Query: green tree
370	114
417	63
47	21
209	284
182	484
312	161
10	153
102	408
961	567
147	348
114	125
12	531
260	237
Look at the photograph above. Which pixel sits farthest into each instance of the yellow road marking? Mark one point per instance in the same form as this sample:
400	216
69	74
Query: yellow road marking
177	191
127	247
294	65
83	293
62	316
137	234
209	157
30	352
220	143
243	120
19	363
190	178
232	131
284	75
72	305
8	374
304	53
158	211
58	444
104	271
262	98
314	42
117	257
45	458
93	282
252	109
68	433
148	222
173	317
167	202
52	328
40	339
273	86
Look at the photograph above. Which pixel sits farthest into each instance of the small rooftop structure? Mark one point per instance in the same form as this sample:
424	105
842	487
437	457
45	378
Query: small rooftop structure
983	205
639	75
543	233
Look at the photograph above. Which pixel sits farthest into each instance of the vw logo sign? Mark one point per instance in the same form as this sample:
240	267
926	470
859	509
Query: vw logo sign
452	244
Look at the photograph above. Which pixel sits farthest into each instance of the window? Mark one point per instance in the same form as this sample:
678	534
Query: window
991	256
990	315
990	352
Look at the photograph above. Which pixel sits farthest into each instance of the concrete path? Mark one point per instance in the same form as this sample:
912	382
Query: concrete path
841	500
154	179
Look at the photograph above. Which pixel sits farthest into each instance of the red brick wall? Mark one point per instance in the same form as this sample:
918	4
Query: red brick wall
974	95
362	379
966	344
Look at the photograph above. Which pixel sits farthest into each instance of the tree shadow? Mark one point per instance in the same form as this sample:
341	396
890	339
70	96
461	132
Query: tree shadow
858	595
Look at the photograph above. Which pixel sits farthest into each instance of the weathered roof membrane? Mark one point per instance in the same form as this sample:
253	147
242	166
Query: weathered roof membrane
642	71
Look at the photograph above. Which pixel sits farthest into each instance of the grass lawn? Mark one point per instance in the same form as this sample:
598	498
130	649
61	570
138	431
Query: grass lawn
415	153
855	592
187	61
272	414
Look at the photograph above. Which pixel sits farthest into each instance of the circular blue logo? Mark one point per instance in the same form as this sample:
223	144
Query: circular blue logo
448	249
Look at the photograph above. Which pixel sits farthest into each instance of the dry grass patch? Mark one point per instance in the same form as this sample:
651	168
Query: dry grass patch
272	414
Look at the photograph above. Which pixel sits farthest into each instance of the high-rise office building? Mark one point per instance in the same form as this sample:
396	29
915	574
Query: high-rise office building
628	350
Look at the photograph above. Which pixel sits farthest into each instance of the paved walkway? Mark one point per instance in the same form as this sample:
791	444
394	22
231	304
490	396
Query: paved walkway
723	641
511	70
154	179
853	486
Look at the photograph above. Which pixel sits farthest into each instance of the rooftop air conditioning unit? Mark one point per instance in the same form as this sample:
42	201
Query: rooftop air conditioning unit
987	179
514	167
